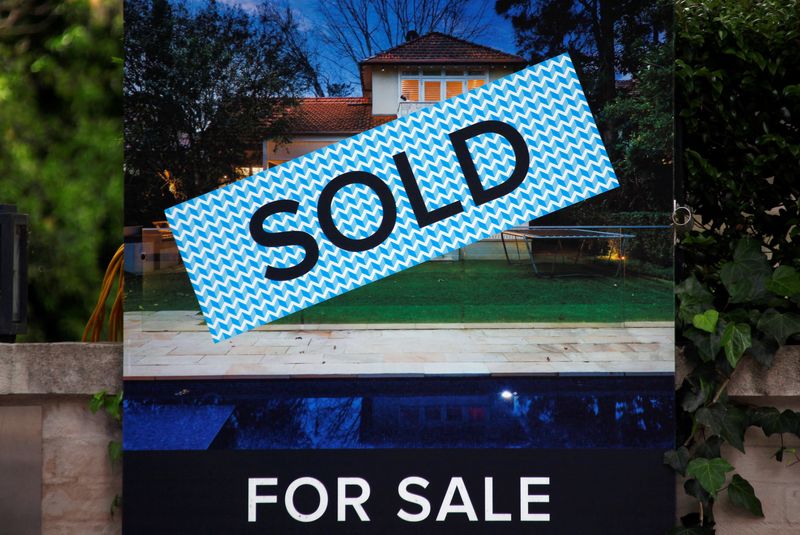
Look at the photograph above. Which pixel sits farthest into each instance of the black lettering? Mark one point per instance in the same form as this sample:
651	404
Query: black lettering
326	218
282	239
522	159
424	216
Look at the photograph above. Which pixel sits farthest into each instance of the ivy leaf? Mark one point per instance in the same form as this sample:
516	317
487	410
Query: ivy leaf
114	450
97	401
677	459
785	282
694	530
698	387
735	341
746	277
772	421
780	325
707	344
694	298
710	473
763	350
742	494
695	489
696	238
709	448
692	399
698	391
707	321
726	421
693	519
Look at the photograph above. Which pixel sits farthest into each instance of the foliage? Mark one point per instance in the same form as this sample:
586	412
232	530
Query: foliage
111	404
622	51
603	37
61	150
738	77
642	119
203	86
653	246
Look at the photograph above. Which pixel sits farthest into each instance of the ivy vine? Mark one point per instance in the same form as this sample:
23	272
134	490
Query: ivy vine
111	404
738	96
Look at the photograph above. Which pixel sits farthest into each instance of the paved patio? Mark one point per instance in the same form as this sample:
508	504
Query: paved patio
175	344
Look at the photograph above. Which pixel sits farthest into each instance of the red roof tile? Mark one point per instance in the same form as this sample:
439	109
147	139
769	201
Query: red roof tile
434	48
335	115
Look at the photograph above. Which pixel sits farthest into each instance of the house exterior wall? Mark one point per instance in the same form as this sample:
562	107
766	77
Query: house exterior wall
385	91
495	74
299	146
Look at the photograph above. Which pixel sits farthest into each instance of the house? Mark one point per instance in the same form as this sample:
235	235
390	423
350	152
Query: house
420	72
394	83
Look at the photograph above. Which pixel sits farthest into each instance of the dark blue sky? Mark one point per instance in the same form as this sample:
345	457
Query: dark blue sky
499	33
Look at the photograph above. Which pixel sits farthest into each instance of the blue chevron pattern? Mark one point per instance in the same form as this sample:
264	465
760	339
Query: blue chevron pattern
544	103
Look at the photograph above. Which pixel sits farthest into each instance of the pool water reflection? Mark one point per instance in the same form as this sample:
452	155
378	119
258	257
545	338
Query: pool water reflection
513	412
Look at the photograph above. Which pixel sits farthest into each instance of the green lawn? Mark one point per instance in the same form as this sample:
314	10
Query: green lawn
454	292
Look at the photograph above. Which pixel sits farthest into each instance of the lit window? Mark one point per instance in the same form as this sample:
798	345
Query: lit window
434	84
453	88
433	91
410	90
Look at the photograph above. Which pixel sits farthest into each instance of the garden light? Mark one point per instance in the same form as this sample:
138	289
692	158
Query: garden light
13	272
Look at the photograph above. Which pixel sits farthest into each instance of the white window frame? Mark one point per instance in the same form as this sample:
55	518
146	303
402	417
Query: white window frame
443	76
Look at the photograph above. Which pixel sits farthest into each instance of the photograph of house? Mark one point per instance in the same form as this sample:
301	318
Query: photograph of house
586	289
394	83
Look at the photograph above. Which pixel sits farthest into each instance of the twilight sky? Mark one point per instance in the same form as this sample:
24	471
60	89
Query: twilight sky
499	34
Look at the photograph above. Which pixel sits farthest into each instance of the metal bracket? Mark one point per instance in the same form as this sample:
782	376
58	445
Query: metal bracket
682	218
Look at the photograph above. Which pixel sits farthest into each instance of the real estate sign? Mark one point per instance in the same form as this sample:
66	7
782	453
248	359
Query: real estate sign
430	306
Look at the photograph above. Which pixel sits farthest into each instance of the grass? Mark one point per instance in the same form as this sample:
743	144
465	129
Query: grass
454	292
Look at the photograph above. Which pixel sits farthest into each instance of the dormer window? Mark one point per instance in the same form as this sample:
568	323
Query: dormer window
428	85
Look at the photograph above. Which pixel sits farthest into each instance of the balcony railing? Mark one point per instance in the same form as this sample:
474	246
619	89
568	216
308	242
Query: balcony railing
406	107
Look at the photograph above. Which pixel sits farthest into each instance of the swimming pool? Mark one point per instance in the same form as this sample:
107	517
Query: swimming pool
481	412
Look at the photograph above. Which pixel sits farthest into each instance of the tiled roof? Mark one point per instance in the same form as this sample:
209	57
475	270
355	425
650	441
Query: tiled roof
437	47
335	115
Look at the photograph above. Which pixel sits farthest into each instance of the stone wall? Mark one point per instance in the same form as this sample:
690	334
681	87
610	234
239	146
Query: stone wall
79	482
776	485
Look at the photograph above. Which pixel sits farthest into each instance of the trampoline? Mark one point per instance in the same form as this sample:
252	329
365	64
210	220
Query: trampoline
530	233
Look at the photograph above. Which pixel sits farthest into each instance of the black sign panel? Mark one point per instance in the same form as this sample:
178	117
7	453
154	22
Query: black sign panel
351	492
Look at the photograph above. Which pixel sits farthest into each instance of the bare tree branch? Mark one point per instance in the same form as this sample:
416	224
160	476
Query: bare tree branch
358	29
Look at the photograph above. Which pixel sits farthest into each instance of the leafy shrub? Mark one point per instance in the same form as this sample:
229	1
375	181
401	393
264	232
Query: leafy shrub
61	151
738	76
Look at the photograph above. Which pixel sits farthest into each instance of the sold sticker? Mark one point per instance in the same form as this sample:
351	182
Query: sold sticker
387	199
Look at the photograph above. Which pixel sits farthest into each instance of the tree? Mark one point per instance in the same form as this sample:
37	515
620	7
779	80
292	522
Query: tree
603	37
611	41
202	87
61	150
358	29
643	119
